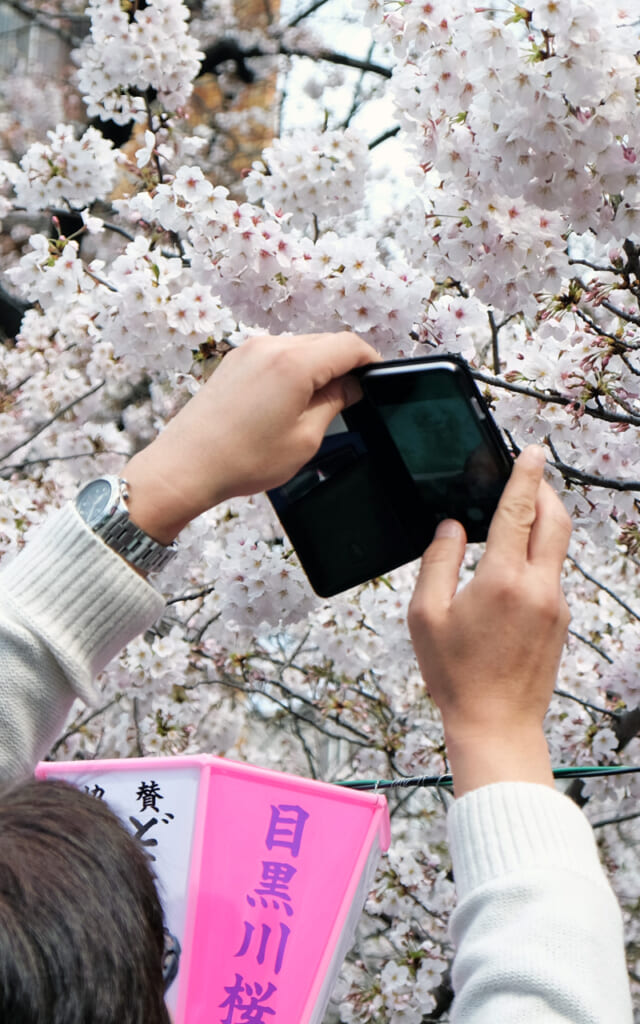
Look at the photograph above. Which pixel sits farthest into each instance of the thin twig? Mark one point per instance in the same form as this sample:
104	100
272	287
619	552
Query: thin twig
603	587
629	317
305	14
330	56
596	327
45	460
592	266
591	644
615	821
389	134
192	597
243	688
52	419
356	94
77	726
495	351
117	230
136	723
576	476
306	748
555	399
586	703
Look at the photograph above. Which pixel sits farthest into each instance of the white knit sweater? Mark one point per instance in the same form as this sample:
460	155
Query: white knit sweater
537	928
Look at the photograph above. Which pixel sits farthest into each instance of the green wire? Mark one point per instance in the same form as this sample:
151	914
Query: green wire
446	781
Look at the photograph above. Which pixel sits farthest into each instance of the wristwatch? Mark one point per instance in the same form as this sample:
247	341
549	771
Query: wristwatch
102	503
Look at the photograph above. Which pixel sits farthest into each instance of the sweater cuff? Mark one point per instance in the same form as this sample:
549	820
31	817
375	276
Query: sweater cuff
78	596
511	826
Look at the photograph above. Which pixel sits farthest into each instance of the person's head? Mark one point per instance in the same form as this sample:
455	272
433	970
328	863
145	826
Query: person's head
81	925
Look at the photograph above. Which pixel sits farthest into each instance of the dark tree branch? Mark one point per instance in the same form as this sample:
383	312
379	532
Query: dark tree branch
330	56
592	266
556	399
589	643
604	588
599	330
495	351
389	134
587	704
628	317
576	476
305	14
615	821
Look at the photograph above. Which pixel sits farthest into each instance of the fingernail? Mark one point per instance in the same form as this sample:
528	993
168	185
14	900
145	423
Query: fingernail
536	454
447	528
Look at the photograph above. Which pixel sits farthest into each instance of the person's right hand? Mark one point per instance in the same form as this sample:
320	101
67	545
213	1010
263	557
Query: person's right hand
489	653
260	416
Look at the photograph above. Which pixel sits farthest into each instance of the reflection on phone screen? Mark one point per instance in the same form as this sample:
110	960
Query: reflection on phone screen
441	442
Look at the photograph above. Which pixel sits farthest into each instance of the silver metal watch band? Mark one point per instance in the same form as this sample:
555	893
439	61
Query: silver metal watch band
130	541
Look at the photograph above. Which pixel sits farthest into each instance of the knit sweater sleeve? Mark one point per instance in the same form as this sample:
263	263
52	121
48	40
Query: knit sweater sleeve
67	605
538	930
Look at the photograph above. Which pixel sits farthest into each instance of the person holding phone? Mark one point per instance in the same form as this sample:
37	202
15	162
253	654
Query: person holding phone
537	928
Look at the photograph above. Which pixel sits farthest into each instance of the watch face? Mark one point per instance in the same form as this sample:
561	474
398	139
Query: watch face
94	500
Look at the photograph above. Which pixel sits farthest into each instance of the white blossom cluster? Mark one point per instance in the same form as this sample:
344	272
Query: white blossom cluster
529	131
125	56
65	171
307	172
153	306
512	241
272	275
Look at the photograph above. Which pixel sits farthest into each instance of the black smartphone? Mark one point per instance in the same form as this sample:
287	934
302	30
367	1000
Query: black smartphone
419	447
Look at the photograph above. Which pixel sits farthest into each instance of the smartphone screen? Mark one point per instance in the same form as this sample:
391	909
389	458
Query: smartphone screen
443	436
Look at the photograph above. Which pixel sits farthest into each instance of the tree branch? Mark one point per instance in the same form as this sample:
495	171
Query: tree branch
389	134
615	821
78	725
592	645
555	399
587	704
51	420
45	460
604	587
598	330
592	266
355	102
305	14
577	476
330	56
630	319
495	351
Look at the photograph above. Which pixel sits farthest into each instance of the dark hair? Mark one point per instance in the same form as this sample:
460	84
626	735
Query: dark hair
81	924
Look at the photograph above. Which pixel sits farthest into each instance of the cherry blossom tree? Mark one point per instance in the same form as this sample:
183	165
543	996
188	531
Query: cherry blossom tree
458	178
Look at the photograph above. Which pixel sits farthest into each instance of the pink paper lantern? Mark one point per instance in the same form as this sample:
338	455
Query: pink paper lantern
263	877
